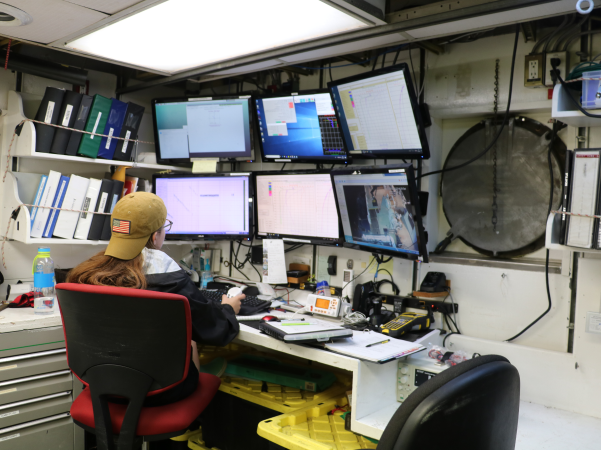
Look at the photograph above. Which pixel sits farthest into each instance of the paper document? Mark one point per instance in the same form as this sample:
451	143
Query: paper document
357	347
584	198
274	262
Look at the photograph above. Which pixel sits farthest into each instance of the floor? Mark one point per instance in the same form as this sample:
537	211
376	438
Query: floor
543	428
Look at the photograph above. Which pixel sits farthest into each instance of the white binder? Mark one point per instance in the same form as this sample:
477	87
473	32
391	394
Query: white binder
89	204
74	198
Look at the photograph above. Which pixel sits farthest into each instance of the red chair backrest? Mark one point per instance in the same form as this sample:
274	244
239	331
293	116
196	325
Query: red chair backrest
142	330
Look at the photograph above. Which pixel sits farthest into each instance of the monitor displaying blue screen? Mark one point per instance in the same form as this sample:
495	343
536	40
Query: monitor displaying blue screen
299	128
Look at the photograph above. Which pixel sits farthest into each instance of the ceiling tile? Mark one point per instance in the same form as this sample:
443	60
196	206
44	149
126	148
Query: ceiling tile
52	19
105	6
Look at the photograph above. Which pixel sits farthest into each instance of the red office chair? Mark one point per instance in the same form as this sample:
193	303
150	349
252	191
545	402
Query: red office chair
133	344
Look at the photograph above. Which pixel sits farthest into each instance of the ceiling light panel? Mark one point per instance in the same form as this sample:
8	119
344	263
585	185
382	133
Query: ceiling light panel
182	34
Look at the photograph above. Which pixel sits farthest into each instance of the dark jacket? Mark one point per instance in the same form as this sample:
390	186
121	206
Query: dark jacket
212	322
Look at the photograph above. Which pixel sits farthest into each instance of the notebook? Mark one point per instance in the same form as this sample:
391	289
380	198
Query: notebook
380	353
303	331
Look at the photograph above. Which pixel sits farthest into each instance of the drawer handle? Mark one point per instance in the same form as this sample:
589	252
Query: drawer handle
35	377
32	355
30	424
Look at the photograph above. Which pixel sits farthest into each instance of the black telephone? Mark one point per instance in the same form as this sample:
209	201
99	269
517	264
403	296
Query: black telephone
361	297
434	282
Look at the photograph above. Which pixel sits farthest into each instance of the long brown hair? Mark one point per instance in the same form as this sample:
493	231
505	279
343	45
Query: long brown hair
102	270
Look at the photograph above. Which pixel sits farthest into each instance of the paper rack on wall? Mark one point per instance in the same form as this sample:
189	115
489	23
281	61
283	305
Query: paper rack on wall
24	144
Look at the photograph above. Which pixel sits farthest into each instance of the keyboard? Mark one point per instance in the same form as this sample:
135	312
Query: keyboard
251	305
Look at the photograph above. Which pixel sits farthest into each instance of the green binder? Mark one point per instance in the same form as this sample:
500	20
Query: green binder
99	113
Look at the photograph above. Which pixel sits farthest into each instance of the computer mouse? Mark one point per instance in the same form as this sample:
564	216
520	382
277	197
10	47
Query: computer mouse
234	292
269	319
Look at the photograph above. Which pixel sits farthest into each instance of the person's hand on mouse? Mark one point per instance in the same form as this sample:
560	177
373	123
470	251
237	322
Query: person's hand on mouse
234	302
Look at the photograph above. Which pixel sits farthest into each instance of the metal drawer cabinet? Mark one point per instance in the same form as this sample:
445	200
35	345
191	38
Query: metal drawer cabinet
50	433
35	386
34	408
32	364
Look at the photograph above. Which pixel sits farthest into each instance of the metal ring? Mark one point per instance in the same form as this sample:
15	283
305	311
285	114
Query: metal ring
591	5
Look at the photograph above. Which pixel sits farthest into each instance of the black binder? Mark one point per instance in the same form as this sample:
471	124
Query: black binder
114	198
131	125
48	112
79	124
102	205
66	118
567	181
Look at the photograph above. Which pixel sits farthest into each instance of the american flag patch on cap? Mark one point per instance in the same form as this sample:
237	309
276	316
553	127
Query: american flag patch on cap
121	226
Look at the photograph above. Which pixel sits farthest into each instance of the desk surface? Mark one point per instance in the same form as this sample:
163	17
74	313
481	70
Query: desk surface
18	319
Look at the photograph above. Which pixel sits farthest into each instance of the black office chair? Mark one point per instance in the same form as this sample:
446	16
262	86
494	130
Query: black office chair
134	344
471	406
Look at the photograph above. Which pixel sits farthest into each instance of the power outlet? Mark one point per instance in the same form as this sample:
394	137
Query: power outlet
534	69
563	64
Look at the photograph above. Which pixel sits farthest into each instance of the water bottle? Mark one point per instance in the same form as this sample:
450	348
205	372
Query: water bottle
206	276
43	282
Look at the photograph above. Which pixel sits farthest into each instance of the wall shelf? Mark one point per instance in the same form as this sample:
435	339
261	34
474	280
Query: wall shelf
564	110
24	145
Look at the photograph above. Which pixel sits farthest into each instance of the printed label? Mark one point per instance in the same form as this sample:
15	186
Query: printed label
12	436
12	413
108	141
49	112
396	170
7	391
126	142
96	125
85	207
13	366
67	115
42	280
105	196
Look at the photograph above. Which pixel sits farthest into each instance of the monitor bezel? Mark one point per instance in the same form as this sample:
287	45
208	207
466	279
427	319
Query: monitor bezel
296	160
187	162
213	237
416	211
293	238
388	154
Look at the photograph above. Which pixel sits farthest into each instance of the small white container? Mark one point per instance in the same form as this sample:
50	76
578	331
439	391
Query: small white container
43	305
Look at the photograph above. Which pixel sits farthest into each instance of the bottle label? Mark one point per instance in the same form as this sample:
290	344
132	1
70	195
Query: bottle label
43	280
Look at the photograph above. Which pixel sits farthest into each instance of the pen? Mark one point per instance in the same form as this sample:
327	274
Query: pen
376	343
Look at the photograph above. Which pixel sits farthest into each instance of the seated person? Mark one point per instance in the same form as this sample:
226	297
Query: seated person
133	259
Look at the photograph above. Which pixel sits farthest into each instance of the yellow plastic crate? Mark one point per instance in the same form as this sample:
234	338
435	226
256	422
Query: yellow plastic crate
312	428
196	443
207	353
281	398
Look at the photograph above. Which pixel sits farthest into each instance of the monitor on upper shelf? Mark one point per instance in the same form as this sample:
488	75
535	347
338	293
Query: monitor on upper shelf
300	128
297	207
379	115
207	207
379	210
205	127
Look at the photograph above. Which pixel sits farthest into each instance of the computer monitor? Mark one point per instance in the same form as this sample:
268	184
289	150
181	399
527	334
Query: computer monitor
301	127
379	210
379	115
207	207
297	207
208	127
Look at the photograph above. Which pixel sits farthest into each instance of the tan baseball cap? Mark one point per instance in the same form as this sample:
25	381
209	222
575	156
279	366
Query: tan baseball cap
135	217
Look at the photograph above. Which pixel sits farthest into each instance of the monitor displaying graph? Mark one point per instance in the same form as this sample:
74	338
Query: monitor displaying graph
299	128
201	206
208	127
379	115
297	206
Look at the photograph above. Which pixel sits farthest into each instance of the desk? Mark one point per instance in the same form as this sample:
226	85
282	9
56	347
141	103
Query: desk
374	398
374	385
